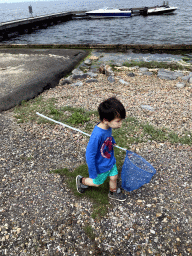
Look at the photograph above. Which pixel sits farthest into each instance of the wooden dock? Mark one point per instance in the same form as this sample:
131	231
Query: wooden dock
25	26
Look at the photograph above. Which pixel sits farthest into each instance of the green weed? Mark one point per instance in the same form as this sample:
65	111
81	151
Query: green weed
26	112
156	64
89	232
99	196
77	118
185	58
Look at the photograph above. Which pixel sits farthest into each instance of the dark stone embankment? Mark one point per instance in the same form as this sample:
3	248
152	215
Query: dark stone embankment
25	73
137	48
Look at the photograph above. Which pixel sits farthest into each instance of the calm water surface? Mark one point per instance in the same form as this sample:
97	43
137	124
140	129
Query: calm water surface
163	29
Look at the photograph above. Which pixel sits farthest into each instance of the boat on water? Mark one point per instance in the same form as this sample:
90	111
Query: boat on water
160	9
109	13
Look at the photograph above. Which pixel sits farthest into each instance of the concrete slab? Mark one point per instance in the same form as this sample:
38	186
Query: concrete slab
25	73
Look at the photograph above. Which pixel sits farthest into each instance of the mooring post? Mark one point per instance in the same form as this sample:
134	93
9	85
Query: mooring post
30	10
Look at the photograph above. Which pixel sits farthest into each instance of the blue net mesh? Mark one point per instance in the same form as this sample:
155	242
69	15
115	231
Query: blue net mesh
136	171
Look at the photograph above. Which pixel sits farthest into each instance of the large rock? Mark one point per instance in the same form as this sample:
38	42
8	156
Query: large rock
77	71
147	73
190	80
64	81
106	69
143	69
166	74
92	74
82	76
186	78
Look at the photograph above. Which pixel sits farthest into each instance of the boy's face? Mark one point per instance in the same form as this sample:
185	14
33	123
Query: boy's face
115	123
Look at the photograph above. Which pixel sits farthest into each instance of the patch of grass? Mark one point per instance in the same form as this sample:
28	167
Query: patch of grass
162	135
89	232
155	64
99	196
155	134
185	58
26	112
26	158
77	118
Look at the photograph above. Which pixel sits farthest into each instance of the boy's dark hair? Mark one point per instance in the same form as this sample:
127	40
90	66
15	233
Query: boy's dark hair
110	109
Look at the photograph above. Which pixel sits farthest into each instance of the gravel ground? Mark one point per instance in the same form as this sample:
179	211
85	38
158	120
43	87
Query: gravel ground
40	215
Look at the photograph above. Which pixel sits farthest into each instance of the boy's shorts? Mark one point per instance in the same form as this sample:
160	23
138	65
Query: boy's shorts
103	176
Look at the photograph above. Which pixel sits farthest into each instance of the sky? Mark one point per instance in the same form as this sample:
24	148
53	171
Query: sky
16	1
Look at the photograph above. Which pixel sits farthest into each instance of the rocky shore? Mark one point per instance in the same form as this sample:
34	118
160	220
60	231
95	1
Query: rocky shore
39	215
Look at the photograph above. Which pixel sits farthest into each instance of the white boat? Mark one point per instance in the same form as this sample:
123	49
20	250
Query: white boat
160	9
109	13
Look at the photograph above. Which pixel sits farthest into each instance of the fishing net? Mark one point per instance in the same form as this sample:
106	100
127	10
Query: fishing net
136	171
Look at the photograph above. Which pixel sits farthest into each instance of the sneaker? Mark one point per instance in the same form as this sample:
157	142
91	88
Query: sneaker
118	195
80	187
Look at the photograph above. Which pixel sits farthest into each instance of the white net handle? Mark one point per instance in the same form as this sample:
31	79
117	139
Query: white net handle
65	125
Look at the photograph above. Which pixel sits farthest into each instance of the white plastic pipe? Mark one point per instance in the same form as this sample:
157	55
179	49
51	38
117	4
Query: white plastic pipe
75	129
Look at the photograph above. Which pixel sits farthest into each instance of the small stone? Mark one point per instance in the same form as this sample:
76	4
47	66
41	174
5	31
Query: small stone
131	74
102	69
111	79
180	85
147	107
108	71
77	84
123	82
190	80
64	81
18	230
93	58
91	81
88	62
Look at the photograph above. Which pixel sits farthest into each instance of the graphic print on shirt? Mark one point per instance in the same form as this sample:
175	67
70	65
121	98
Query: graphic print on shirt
106	148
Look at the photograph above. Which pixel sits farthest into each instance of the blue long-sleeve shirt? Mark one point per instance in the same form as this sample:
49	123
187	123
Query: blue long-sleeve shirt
99	153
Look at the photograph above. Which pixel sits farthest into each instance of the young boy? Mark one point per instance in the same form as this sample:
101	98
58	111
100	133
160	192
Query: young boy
99	153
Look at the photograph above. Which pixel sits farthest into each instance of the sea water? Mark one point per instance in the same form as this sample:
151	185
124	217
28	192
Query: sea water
175	28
